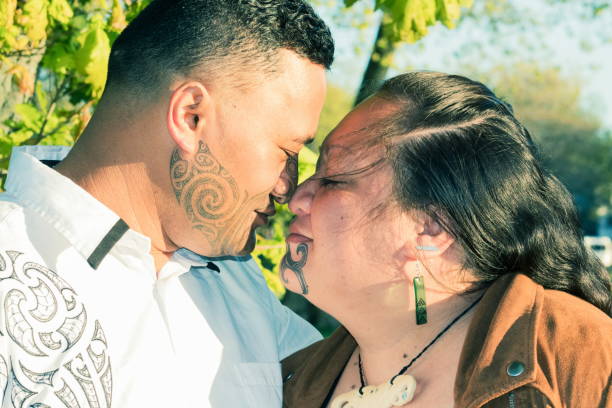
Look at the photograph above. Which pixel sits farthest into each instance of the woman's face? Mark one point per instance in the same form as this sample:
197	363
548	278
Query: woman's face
344	245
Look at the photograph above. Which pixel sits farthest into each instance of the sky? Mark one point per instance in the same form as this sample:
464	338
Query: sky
561	34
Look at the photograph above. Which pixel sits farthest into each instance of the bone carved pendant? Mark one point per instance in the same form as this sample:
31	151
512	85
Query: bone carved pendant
386	395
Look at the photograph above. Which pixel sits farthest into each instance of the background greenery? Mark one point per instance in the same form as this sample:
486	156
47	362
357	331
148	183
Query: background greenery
53	56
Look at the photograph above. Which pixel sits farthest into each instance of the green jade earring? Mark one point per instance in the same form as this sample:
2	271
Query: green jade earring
419	290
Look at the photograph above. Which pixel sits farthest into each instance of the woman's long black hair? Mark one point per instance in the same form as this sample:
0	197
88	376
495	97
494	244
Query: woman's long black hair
460	155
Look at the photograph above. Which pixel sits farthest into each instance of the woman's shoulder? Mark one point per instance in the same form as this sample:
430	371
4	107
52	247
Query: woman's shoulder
523	334
574	343
568	320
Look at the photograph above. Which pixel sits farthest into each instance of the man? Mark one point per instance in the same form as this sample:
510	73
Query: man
109	296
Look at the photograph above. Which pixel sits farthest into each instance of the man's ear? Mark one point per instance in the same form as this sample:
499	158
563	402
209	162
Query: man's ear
187	114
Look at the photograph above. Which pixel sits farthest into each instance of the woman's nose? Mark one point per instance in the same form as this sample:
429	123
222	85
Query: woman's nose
300	203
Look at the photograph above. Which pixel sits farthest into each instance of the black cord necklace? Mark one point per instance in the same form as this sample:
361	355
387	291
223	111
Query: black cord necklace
407	366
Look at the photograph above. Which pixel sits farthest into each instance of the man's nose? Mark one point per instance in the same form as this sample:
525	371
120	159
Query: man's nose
287	182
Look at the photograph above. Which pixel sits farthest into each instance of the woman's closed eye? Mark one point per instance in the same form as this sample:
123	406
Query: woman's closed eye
329	182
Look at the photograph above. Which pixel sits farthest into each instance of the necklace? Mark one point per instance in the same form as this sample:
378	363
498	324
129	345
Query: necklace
398	391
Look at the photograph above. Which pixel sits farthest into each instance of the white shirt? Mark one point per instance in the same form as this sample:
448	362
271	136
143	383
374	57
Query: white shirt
85	322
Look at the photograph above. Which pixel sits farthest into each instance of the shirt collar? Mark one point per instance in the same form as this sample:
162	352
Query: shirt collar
183	260
90	227
502	334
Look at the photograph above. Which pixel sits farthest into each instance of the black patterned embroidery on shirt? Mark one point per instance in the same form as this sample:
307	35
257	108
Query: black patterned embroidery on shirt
44	317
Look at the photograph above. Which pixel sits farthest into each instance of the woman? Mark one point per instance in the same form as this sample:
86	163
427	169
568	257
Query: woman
453	260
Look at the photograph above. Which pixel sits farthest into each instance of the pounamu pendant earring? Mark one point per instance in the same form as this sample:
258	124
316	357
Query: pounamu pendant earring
419	289
419	297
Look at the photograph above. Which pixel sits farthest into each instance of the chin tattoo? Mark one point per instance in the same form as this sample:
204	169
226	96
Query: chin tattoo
296	266
212	199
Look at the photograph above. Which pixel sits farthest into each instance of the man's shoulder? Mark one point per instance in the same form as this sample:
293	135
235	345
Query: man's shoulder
8	207
244	271
13	226
19	226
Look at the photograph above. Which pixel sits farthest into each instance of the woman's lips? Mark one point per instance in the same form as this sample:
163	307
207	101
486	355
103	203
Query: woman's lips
294	238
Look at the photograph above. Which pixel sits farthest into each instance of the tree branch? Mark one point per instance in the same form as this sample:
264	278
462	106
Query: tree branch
32	52
35	139
377	67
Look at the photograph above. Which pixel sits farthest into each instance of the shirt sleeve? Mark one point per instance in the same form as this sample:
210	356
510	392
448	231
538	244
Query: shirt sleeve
293	332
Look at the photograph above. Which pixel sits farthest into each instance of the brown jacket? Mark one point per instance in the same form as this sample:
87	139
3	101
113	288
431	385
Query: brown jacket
526	347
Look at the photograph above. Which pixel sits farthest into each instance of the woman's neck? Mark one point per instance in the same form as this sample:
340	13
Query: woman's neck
389	338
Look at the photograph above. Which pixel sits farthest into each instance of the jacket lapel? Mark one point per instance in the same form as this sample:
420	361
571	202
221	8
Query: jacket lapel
500	350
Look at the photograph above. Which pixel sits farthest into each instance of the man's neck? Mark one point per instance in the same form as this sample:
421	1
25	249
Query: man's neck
124	188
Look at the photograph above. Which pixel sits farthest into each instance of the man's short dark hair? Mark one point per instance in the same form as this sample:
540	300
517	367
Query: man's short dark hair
176	37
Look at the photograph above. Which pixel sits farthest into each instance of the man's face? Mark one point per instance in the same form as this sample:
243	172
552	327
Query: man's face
247	156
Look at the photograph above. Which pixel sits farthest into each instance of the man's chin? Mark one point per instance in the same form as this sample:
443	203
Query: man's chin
250	244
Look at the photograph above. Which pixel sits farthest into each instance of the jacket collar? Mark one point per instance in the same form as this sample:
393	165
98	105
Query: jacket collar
308	381
502	333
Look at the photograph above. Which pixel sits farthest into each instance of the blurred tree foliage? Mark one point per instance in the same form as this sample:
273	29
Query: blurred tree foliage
570	138
53	57
403	21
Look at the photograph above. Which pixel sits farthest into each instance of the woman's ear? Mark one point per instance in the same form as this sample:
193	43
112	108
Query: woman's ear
187	115
427	238
432	239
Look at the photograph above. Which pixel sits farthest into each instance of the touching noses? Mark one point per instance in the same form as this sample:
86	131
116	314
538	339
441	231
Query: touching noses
287	182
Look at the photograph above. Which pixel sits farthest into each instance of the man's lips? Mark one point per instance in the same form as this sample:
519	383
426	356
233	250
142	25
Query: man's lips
261	219
269	211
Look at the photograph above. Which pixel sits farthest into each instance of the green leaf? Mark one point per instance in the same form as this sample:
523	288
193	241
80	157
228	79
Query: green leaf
349	3
60	11
17	137
59	59
6	144
408	20
92	59
307	161
42	99
7	13
31	117
61	137
117	21
34	20
79	22
600	9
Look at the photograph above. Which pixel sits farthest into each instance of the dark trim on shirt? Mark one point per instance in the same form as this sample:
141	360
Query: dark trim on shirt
107	243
